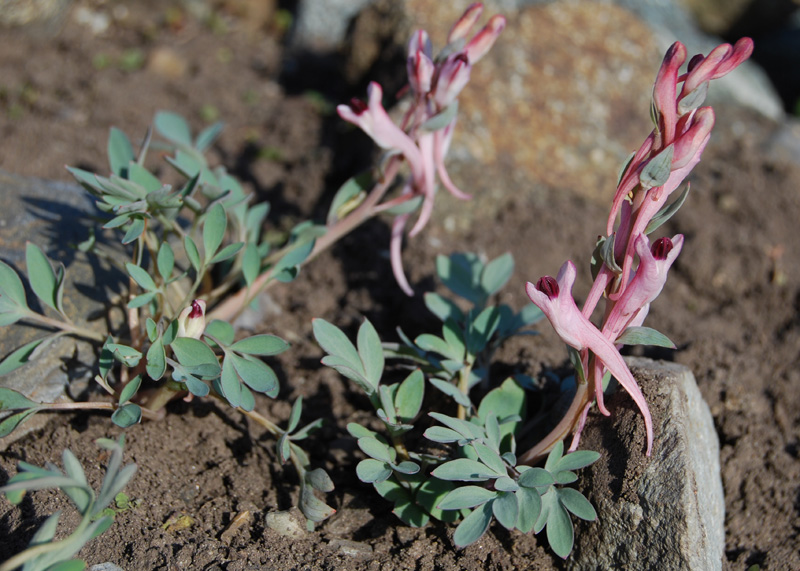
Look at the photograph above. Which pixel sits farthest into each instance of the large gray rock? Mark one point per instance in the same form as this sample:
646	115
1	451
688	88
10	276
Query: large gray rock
49	214
662	512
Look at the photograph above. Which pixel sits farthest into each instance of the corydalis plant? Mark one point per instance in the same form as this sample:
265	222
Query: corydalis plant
45	553
648	180
423	136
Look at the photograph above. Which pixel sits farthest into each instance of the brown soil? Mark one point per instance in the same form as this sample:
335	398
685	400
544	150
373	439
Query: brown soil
732	305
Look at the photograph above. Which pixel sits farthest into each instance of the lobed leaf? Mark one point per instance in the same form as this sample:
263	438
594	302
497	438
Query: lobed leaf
506	509
141	277
192	253
216	222
644	336
262	345
156	359
11	286
173	127
409	396
443	308
165	261
536	478
667	212
255	374
464	470
530	506
497	273
127	415
370	352
576	460
22	355
474	525
376	449
373	471
452	391
657	170
560	533
120	152
130	389
41	275
208	135
466	497
192	352
348	194
10	423
576	503
135	229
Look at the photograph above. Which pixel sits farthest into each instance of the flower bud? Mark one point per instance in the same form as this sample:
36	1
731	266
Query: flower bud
464	25
453	77
192	320
483	41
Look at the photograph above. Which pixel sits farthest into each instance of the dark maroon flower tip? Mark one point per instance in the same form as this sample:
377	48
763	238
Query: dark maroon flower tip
548	286
661	248
197	310
694	62
462	57
358	105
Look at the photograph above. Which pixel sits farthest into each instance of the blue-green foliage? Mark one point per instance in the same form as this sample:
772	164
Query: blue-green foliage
44	551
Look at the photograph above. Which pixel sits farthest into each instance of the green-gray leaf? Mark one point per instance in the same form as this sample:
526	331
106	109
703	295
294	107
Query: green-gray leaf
497	273
11	285
644	336
575	502
127	415
560	533
214	230
141	277
41	275
173	127
373	471
466	497
408	399
506	509
657	170
263	345
464	470
156	359
474	525
373	448
370	352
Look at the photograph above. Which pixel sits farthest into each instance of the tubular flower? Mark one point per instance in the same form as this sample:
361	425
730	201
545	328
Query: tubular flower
423	136
554	298
646	284
192	320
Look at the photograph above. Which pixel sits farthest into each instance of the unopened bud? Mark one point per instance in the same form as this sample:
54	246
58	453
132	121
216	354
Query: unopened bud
548	286
483	41
465	23
192	320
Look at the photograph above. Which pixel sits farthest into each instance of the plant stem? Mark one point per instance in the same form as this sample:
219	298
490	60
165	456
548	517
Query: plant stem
230	309
67	406
76	330
562	429
463	386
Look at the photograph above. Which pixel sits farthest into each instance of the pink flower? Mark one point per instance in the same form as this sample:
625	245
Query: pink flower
646	284
554	298
373	119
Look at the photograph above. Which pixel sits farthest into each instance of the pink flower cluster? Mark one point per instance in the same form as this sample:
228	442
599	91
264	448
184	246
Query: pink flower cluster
424	134
656	170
